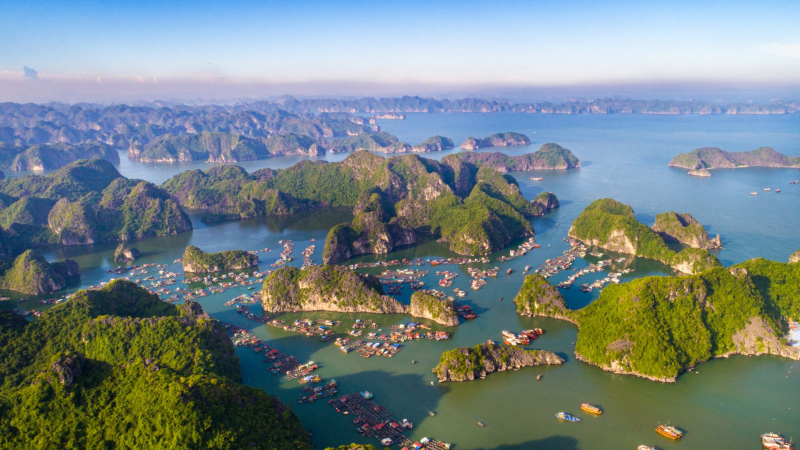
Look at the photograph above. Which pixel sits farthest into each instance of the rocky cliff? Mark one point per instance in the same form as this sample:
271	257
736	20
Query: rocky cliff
795	257
428	305
32	274
433	144
693	260
464	364
548	157
703	173
51	157
198	261
537	297
496	140
685	229
124	253
545	202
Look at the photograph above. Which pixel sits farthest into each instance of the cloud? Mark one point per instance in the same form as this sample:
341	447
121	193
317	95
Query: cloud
30	73
782	50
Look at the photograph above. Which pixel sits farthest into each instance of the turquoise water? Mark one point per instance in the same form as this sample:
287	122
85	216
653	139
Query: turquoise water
726	405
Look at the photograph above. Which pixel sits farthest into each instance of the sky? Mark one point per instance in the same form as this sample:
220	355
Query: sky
93	50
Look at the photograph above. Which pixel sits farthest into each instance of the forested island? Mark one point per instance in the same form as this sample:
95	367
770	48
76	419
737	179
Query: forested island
119	367
197	261
50	157
611	225
657	327
496	140
463	200
465	364
699	161
30	273
334	288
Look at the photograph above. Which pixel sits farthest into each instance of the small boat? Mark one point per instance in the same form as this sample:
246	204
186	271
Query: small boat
669	431
645	447
366	394
537	178
774	441
754	193
480	424
777	190
431	413
591	408
538	377
508	272
566	417
766	189
432	383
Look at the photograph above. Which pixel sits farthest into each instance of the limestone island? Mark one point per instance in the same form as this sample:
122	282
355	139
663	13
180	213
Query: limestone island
657	327
124	253
684	228
609	224
31	274
53	156
496	140
333	288
466	364
548	157
198	261
700	160
383	142
390	116
795	257
702	173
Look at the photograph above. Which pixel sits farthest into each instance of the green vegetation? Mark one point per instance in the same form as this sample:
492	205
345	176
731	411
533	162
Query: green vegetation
198	261
378	142
85	202
325	288
51	157
353	447
434	144
124	253
30	273
496	140
467	363
211	146
685	229
694	260
612	225
441	310
658	326
119	368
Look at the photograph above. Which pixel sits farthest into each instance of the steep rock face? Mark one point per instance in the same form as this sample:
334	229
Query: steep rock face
464	364
197	261
32	274
537	297
703	173
795	257
325	288
545	202
685	229
692	260
496	140
433	144
68	367
124	253
73	222
428	306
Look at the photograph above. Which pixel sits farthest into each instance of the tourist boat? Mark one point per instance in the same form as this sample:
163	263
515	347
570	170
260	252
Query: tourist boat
766	189
754	193
481	424
537	178
431	413
777	190
527	268
775	441
669	431
591	408
645	447
569	418
508	272
366	394
538	377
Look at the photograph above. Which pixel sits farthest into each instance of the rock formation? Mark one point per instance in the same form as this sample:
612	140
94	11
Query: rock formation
685	229
496	140
32	274
198	261
124	253
464	364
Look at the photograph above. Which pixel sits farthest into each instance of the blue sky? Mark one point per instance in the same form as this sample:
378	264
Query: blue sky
310	47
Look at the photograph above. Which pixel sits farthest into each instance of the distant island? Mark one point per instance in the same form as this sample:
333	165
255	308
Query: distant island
496	140
197	261
701	160
84	202
49	157
124	253
31	274
386	143
549	157
609	224
333	288
116	361
657	327
465	364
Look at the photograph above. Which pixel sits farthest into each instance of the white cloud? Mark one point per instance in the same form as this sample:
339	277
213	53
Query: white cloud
782	50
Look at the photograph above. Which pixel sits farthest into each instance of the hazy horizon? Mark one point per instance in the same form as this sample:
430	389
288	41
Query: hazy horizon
521	51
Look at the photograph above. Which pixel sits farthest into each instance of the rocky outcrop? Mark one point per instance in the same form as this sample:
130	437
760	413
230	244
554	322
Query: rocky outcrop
795	257
433	144
198	261
124	253
466	364
549	157
684	228
68	367
703	173
325	288
496	140
693	260
32	274
51	157
537	297
545	202
439	308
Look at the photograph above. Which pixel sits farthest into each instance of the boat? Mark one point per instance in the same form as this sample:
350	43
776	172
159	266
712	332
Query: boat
777	190
766	189
508	272
537	178
591	408
754	193
538	377
431	413
645	447
406	424
669	431
366	394
566	417
480	424
527	268
775	441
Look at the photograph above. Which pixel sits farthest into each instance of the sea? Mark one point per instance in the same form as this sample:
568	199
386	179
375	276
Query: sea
723	403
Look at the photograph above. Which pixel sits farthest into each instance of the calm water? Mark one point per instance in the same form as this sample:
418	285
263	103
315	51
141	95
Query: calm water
726	405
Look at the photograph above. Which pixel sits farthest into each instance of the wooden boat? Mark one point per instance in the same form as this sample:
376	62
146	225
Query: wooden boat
591	408
669	431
